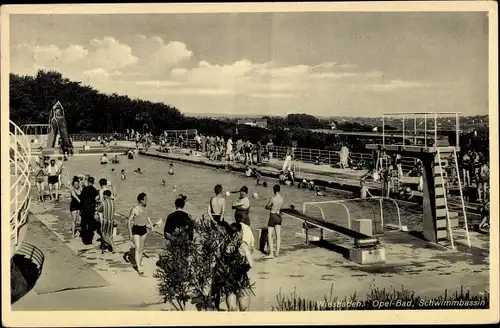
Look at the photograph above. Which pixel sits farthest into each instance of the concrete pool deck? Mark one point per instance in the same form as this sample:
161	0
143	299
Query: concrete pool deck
308	269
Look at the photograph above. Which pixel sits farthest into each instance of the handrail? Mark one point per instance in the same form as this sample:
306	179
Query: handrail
20	154
342	201
462	198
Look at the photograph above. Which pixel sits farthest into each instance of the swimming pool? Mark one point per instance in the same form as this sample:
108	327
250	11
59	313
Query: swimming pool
307	269
197	183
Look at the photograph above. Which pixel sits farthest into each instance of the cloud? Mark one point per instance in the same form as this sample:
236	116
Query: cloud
164	70
398	84
111	54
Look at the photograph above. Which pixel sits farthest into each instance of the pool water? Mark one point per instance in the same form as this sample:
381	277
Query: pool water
197	183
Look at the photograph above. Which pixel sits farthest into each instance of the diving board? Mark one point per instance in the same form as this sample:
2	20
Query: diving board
366	249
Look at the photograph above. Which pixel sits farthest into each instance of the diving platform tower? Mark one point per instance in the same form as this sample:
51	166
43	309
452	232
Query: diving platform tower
424	136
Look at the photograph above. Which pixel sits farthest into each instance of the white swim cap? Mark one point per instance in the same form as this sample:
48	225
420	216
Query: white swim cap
228	193
255	195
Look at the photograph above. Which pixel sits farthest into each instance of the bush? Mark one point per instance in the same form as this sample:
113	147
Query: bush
201	269
382	299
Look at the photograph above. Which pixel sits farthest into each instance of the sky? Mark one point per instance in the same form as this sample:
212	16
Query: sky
319	63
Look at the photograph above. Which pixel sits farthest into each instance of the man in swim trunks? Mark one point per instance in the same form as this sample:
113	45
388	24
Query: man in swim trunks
53	180
138	222
274	224
242	207
217	205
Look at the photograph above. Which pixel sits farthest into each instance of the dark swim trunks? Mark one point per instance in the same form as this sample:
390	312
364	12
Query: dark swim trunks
139	230
274	220
53	179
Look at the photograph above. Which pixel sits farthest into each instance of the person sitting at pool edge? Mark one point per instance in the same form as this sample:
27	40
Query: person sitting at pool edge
242	207
364	191
104	159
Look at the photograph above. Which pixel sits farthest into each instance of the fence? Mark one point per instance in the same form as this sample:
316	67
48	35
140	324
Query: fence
378	227
20	186
332	157
304	155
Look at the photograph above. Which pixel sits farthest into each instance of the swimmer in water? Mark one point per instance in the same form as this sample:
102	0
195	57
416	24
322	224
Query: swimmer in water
163	182
139	171
130	154
104	159
261	182
122	175
171	169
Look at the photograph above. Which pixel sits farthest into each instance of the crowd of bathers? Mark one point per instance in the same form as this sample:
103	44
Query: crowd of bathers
49	174
93	212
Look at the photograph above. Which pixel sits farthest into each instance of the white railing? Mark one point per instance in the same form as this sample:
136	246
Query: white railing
20	186
342	203
303	155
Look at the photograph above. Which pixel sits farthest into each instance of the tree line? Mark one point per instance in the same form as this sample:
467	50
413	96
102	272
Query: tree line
89	111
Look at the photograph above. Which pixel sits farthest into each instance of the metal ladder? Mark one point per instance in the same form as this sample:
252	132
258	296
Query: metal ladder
448	222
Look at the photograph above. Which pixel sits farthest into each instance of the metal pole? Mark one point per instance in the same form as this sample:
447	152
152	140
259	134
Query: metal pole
425	129
403	131
383	131
435	129
415	129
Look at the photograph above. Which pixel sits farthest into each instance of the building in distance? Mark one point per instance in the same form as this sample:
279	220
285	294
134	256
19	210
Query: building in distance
261	123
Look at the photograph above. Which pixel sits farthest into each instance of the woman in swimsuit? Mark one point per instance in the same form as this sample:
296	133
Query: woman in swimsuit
138	224
74	205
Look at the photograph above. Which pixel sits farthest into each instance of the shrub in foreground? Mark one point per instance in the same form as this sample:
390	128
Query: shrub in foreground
202	269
